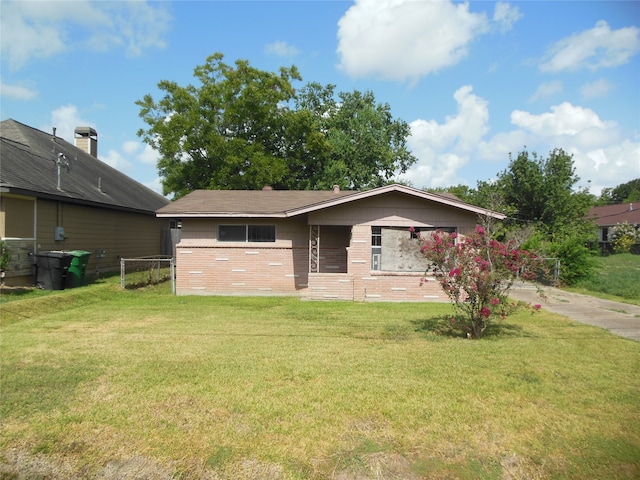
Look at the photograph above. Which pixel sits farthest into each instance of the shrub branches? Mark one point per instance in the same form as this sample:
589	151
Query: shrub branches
476	272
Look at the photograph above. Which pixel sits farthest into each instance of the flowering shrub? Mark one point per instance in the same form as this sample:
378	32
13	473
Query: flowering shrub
476	273
623	235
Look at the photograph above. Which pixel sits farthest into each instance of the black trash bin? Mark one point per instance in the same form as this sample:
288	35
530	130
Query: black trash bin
51	270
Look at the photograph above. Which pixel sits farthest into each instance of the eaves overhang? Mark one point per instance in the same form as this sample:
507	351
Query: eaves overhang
395	188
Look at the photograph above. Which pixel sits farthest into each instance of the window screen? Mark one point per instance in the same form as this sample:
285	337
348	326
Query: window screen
246	233
261	233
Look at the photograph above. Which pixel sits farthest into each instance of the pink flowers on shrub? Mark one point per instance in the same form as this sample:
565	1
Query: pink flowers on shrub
476	272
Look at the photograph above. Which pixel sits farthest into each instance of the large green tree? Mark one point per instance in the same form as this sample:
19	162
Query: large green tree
540	196
623	193
541	191
367	146
244	128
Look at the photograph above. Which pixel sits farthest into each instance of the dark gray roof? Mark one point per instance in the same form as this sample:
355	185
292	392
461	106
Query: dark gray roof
28	166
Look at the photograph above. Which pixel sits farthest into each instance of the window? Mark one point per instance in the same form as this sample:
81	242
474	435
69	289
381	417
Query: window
397	249
246	233
376	248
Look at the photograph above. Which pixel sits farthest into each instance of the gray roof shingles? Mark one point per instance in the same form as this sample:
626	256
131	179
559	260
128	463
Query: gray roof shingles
28	165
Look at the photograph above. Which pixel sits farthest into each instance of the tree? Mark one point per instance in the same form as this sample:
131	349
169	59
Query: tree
229	133
463	192
627	192
541	191
539	197
244	128
476	273
367	145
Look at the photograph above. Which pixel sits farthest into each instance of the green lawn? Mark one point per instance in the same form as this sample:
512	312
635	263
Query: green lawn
97	381
616	279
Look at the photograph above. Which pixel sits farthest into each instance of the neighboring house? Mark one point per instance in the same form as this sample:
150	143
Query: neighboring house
57	196
607	216
313	244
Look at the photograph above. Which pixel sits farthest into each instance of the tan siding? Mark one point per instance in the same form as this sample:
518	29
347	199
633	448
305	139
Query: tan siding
16	216
394	210
118	234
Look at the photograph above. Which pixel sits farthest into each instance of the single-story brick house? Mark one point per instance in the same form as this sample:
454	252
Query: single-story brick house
59	196
607	216
313	244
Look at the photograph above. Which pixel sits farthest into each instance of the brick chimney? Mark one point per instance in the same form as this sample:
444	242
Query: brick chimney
86	139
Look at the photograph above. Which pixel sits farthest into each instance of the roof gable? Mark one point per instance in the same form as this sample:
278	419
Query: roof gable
29	167
290	203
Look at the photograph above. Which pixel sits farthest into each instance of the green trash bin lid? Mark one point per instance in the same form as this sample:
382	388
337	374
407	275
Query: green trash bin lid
78	253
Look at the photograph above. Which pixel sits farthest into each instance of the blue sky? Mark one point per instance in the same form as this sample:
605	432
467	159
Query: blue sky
474	80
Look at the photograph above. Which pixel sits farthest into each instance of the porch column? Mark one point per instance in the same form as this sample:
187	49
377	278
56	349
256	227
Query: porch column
314	248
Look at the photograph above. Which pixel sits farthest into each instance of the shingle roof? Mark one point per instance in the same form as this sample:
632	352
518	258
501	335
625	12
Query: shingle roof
288	203
28	166
607	215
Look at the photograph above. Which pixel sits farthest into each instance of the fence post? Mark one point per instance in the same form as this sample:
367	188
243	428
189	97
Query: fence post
172	271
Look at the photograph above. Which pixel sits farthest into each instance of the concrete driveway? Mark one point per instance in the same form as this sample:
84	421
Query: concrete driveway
620	318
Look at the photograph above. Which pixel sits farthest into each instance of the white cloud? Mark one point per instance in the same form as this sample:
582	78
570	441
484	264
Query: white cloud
17	92
446	151
65	119
155	185
130	147
403	39
281	49
117	161
564	119
599	47
547	90
141	152
443	149
600	152
149	156
599	88
505	16
32	30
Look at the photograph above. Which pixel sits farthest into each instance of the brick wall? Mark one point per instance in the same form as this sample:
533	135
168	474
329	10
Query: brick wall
206	268
240	271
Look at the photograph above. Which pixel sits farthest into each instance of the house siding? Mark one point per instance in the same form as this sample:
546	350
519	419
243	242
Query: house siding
107	234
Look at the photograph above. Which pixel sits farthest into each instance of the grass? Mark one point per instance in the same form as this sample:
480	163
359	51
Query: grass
98	378
617	279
